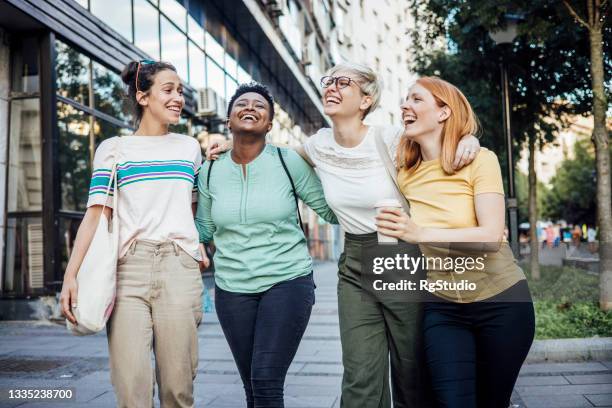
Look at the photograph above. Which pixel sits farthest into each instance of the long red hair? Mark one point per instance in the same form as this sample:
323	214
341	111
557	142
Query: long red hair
462	121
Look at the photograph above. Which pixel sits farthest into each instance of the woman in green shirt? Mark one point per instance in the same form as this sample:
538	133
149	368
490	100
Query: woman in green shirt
263	272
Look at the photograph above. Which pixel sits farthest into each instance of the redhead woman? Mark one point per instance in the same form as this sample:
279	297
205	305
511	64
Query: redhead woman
159	287
475	339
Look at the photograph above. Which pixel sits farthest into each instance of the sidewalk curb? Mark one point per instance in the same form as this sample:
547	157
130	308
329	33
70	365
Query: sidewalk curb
564	350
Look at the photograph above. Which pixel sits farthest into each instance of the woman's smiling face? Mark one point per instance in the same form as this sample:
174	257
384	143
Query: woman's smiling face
421	113
250	113
345	101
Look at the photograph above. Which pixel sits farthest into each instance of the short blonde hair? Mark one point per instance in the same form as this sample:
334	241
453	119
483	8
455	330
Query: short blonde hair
368	80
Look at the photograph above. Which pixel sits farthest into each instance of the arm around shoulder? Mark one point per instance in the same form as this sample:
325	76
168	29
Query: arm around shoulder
308	186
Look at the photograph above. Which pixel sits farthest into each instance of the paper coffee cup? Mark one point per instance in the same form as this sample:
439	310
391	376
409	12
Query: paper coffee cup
386	203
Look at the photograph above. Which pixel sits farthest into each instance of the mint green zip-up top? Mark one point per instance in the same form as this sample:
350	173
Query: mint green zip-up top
253	219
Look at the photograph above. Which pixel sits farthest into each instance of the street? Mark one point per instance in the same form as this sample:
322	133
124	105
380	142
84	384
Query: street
35	355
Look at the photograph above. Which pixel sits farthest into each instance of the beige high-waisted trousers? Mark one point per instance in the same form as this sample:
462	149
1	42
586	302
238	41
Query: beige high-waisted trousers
158	308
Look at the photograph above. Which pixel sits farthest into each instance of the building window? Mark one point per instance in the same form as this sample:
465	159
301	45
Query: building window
175	13
24	170
146	28
197	73
174	47
72	74
215	77
74	156
116	13
23	249
215	50
108	90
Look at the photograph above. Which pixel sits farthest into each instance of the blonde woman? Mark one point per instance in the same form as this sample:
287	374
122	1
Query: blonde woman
475	339
353	176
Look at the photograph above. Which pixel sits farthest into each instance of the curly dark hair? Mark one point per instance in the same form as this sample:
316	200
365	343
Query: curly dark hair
146	77
252	87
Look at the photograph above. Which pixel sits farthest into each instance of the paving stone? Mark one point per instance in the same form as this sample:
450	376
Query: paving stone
542	380
322	369
557	401
309	401
322	388
562	367
545	390
590	379
600	400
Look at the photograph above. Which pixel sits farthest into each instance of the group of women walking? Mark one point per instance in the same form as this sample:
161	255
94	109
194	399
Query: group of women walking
451	351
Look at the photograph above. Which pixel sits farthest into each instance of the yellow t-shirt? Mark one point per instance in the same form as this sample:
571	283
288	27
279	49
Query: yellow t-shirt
440	200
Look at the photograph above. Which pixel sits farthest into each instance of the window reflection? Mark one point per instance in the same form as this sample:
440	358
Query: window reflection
72	73
175	12
68	227
84	3
230	86
23	255
104	130
230	65
25	65
74	156
215	77
182	127
196	67
214	49
243	76
195	31
115	13
174	47
108	93
24	192
146	28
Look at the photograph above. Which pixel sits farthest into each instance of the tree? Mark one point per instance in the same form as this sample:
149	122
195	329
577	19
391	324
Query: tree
522	195
573	190
541	75
594	20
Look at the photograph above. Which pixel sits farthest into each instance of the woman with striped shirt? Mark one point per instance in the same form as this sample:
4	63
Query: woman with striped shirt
159	286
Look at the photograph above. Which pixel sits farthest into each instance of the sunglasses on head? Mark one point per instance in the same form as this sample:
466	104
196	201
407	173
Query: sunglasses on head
141	63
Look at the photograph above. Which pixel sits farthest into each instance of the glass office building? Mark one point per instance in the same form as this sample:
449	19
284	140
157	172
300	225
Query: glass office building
61	95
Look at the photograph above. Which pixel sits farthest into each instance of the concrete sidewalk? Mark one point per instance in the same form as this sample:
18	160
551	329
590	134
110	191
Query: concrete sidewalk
35	355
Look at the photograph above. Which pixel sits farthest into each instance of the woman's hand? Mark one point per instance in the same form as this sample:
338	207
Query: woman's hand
68	297
205	262
467	149
215	149
394	222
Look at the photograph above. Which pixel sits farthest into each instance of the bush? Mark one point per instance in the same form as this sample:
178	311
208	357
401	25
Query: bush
566	302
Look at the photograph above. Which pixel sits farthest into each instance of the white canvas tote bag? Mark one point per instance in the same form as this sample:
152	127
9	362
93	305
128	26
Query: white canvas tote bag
97	276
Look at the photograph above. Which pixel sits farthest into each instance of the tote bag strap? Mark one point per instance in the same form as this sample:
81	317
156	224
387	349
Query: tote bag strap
383	152
113	180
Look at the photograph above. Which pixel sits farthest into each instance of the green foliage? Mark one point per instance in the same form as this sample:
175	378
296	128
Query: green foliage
522	194
548	64
566	304
573	188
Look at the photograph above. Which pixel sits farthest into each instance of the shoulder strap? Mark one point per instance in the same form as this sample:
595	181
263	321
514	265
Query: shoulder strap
208	174
383	152
295	197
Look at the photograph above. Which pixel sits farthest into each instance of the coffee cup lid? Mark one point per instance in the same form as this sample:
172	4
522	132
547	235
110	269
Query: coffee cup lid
388	202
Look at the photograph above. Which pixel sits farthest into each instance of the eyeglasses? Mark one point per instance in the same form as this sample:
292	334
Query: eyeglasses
341	82
140	63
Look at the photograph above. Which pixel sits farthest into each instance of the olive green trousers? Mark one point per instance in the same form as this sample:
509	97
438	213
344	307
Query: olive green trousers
380	340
